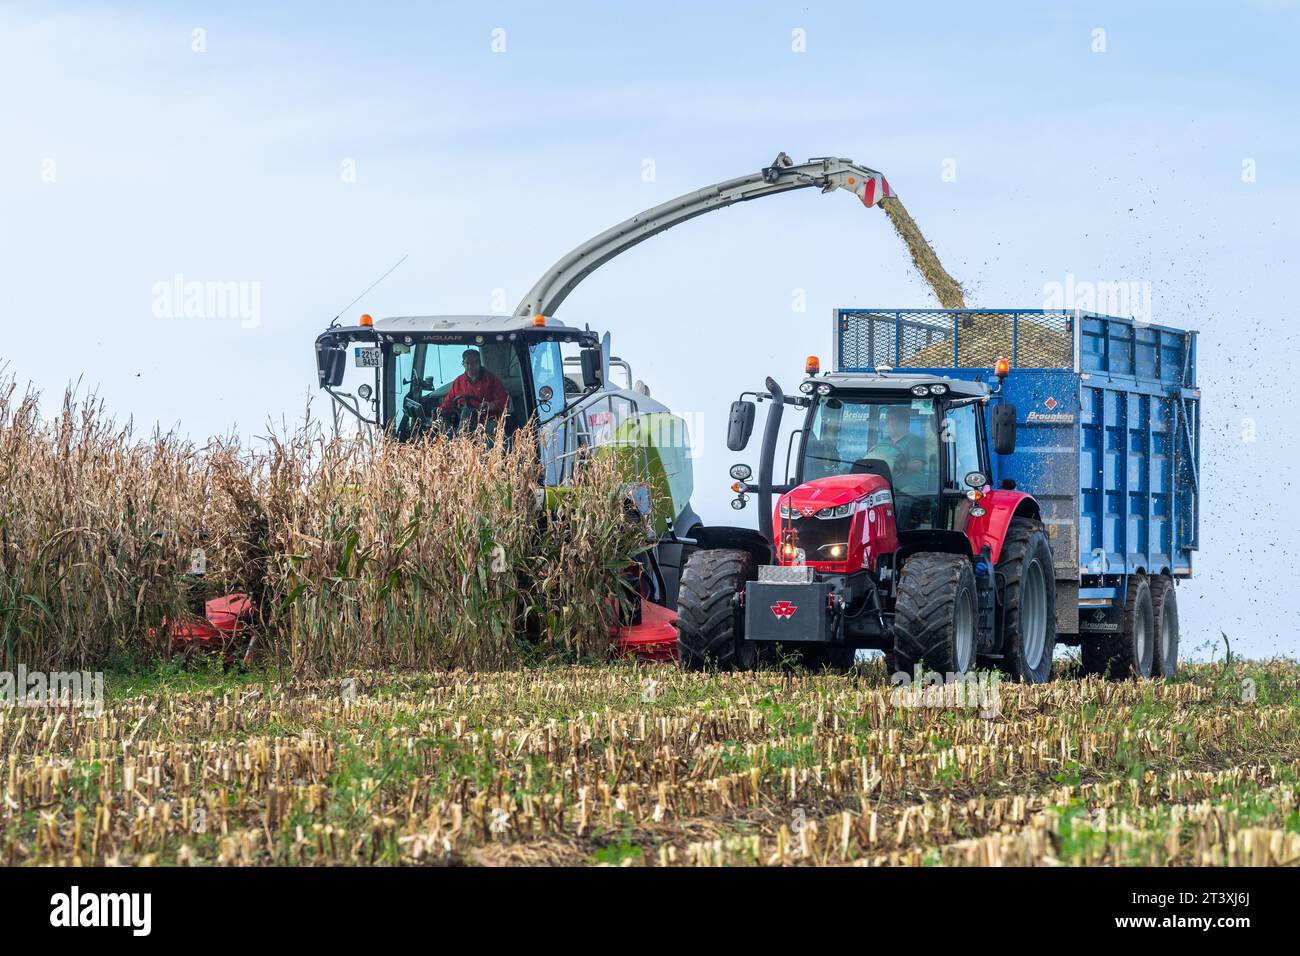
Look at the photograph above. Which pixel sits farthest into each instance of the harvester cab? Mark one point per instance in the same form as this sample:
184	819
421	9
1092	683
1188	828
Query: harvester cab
886	533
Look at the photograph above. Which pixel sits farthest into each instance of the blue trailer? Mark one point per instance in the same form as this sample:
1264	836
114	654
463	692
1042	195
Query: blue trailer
1108	421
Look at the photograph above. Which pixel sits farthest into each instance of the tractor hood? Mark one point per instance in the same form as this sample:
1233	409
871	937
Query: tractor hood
830	492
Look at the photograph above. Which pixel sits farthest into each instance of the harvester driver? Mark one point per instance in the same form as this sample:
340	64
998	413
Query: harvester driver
476	389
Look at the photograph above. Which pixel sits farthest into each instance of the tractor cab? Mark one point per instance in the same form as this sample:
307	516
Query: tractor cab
414	374
925	436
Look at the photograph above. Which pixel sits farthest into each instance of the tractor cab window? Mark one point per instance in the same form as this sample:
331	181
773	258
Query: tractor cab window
898	437
422	376
960	435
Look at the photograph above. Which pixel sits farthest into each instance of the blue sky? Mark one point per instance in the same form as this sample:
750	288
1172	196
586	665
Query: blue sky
129	158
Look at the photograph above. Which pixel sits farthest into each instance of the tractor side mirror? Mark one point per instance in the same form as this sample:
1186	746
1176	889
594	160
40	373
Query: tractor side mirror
740	425
331	362
1004	428
590	367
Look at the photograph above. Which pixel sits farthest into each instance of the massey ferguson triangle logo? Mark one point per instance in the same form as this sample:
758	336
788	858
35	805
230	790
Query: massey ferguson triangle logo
784	610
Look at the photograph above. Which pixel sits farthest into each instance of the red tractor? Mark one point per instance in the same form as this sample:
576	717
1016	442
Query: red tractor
887	534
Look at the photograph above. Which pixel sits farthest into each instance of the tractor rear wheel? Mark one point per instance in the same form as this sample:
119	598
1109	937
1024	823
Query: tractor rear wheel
1029	595
935	614
1131	652
1164	614
707	631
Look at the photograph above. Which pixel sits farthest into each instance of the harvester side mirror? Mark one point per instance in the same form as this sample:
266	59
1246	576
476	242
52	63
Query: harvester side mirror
590	367
740	425
331	362
1004	428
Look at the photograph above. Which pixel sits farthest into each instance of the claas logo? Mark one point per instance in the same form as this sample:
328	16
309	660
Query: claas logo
784	609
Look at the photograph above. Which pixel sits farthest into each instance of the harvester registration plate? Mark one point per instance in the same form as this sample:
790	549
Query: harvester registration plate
369	357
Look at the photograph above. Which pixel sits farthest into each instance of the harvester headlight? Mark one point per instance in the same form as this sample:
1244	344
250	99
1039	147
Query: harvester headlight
807	387
938	389
823	389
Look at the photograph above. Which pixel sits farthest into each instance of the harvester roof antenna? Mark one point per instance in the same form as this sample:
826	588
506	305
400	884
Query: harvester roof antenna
335	321
828	173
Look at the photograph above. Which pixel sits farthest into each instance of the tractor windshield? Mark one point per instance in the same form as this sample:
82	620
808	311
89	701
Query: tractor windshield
895	437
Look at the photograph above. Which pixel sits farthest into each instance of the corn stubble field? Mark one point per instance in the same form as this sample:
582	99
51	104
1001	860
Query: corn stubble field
628	764
430	690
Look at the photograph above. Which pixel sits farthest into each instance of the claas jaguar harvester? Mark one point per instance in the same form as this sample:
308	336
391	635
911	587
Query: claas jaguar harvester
967	488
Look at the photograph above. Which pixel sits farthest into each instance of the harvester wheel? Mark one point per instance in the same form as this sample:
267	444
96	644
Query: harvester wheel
1131	652
707	635
935	614
1029	593
1164	613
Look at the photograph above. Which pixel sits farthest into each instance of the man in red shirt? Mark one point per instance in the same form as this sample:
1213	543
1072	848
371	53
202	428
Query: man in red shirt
477	388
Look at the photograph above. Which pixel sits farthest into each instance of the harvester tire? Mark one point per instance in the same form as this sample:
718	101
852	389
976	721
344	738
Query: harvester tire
1164	614
1029	602
1131	651
935	614
707	632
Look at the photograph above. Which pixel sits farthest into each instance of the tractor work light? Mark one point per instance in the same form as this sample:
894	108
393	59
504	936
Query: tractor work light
813	365
977	512
938	389
740	471
366	322
920	391
807	387
823	389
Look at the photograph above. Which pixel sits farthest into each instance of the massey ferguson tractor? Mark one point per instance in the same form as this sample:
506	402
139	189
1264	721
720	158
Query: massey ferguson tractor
910	522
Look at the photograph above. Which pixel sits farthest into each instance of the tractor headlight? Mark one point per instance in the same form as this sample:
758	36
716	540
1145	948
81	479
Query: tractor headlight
785	510
838	511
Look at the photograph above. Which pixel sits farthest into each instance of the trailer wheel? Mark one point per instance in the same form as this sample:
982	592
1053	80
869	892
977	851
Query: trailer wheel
1029	592
1131	652
707	635
1164	613
935	614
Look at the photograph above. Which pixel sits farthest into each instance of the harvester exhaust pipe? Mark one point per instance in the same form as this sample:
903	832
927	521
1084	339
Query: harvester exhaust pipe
771	430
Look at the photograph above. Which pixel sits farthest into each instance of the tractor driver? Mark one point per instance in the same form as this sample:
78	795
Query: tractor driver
476	387
902	451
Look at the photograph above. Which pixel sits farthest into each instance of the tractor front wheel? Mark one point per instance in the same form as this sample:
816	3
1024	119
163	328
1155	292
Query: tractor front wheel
935	614
707	631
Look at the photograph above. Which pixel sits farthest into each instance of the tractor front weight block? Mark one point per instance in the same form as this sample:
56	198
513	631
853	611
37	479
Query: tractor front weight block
788	613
